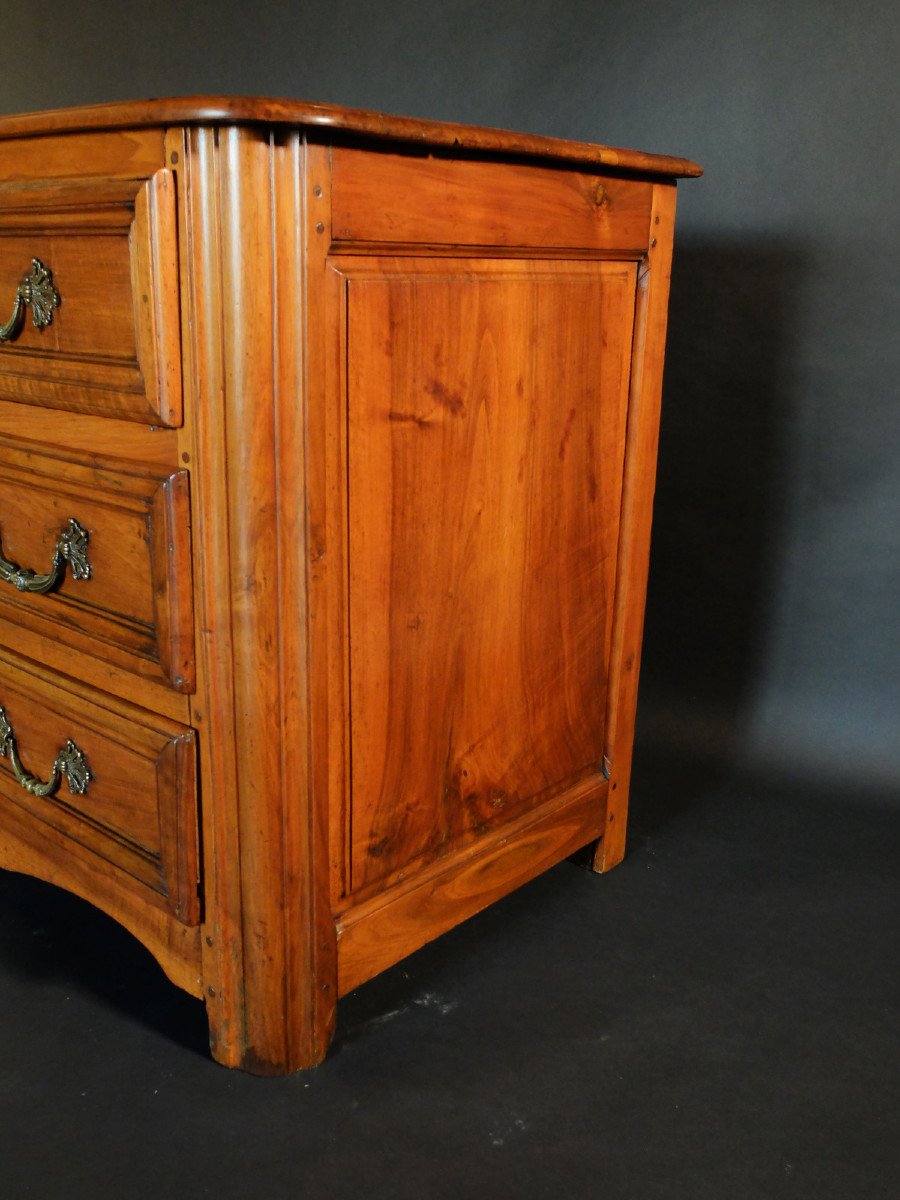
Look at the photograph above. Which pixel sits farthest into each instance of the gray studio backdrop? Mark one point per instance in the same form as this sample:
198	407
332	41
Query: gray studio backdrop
773	618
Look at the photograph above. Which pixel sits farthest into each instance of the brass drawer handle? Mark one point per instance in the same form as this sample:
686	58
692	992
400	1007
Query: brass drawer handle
71	547
70	762
37	292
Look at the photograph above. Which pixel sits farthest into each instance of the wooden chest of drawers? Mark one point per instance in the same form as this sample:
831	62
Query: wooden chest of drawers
327	445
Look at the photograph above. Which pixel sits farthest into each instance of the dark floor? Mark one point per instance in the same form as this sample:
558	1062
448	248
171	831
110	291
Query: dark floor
715	1019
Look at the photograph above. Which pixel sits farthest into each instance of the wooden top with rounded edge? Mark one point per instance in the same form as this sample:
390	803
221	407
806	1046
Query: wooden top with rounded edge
248	109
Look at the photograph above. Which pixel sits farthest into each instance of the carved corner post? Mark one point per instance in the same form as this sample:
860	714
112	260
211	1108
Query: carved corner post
269	953
638	486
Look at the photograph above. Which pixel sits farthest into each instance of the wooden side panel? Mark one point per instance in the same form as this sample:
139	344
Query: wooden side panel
395	198
486	413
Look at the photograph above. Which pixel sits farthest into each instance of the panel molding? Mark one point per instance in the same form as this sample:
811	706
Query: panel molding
615	284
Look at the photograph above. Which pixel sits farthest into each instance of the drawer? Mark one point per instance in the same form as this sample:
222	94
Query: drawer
109	544
391	199
110	777
97	330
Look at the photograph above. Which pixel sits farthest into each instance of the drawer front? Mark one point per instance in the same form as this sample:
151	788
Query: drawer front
109	547
97	330
391	199
110	777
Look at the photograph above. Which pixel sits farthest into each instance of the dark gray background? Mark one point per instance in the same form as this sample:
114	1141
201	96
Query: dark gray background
717	1018
772	626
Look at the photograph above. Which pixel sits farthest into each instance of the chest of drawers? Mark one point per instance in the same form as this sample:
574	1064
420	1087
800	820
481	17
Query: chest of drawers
327	444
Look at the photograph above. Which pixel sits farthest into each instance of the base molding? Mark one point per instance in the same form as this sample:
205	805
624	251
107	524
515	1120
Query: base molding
378	932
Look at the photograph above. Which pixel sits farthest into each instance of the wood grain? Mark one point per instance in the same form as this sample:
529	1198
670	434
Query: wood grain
43	646
325	118
91	436
270	957
139	810
113	346
135	610
154	277
637	516
486	434
375	934
395	537
326	455
392	198
99	153
172	579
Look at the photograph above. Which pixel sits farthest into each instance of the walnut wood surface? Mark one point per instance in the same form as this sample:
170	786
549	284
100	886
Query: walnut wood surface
383	577
173	594
484	478
135	610
390	198
139	810
207	110
113	346
269	937
376	933
154	284
637	515
120	154
92	437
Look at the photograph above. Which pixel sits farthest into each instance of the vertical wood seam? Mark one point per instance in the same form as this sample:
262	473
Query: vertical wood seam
347	672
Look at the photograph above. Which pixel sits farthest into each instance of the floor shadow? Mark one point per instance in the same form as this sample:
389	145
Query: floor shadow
719	510
49	934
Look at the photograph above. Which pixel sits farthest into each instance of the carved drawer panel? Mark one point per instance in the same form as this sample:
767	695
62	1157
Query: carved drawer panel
116	780
97	556
89	296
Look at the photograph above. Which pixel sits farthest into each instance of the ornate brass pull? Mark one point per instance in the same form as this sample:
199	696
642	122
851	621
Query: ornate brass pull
71	548
70	762
37	292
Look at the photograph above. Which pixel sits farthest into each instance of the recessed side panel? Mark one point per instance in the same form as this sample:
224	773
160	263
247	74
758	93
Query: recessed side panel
486	419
